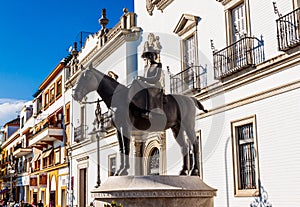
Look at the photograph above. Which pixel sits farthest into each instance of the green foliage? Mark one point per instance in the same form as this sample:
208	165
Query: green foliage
113	204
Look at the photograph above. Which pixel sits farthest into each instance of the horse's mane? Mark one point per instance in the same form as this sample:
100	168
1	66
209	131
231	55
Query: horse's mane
113	81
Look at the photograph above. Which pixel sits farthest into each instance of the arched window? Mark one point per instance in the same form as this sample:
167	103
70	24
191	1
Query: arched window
154	162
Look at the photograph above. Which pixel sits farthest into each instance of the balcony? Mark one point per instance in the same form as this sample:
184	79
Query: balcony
288	30
46	136
79	134
107	120
245	53
189	80
20	151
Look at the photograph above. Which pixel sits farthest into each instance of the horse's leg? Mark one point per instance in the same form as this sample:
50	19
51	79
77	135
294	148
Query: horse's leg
126	141
193	139
178	134
121	150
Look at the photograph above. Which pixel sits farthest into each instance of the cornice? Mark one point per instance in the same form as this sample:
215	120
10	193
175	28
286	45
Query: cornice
97	55
52	75
224	2
159	4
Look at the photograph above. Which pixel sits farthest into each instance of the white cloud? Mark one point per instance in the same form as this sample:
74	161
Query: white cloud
9	109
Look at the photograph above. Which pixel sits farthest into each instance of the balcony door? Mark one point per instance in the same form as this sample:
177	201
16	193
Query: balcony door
190	60
239	28
240	51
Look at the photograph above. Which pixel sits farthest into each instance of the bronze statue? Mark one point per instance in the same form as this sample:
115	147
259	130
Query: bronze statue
179	111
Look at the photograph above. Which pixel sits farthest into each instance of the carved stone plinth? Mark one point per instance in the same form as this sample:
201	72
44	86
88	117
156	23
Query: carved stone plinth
155	191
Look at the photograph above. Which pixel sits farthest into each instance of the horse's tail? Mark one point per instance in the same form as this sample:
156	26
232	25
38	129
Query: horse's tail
199	105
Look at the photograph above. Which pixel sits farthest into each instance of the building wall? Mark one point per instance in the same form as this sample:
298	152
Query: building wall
269	92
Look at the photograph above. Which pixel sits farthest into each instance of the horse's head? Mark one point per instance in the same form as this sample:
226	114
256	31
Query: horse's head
86	83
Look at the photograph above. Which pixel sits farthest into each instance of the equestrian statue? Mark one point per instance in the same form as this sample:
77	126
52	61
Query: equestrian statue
144	106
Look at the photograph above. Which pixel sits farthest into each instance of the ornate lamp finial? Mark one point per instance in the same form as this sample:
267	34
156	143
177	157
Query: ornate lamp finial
103	21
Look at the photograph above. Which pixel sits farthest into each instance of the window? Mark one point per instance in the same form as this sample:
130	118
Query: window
67	113
112	162
238	22
154	162
39	105
22	122
237	18
245	157
52	94
57	156
191	70
46	99
58	87
37	165
82	121
189	52
51	158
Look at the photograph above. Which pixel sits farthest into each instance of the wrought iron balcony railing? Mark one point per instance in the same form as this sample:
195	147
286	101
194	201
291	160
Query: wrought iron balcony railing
79	133
193	78
107	120
288	30
246	52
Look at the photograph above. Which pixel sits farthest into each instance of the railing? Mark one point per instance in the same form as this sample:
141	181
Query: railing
79	134
18	146
246	52
193	78
107	120
42	129
288	30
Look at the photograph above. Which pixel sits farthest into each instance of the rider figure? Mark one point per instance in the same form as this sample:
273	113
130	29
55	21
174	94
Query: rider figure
152	75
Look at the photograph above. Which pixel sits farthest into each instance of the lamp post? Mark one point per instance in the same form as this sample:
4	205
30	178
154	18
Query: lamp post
11	172
99	132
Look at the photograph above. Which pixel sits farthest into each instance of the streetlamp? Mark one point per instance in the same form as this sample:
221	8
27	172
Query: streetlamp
11	172
99	132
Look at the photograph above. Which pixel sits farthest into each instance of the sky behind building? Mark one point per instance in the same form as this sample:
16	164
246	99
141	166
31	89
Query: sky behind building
36	35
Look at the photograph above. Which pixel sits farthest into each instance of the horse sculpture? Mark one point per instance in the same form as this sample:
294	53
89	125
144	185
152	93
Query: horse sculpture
179	113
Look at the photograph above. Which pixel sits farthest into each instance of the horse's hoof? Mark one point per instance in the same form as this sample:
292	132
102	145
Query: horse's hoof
183	172
195	172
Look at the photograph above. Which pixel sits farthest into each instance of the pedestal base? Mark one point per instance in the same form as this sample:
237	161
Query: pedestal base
155	191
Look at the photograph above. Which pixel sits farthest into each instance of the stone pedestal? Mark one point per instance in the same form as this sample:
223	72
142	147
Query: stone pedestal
155	191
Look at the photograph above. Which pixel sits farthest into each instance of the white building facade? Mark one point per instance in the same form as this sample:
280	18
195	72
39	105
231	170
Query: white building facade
250	84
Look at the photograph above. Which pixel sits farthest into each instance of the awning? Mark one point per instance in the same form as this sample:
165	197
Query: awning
46	154
35	158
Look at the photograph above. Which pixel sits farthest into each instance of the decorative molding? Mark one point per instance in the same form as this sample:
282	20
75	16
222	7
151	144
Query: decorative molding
159	4
224	2
155	194
186	23
82	159
253	98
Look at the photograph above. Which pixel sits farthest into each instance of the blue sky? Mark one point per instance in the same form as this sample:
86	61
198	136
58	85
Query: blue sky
35	35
